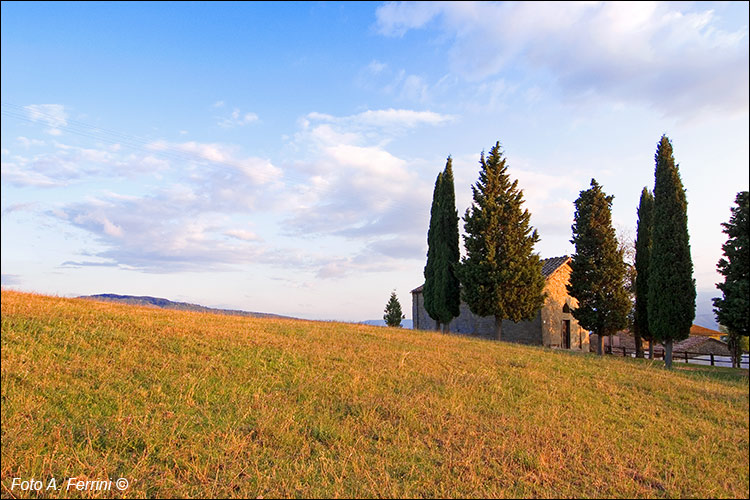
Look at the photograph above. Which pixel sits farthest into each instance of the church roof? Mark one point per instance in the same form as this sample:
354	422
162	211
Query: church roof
704	332
552	264
549	266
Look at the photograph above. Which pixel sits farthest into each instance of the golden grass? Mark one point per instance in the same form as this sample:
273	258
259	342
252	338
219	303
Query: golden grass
192	404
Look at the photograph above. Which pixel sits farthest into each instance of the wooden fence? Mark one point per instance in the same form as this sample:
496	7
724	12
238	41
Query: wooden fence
685	356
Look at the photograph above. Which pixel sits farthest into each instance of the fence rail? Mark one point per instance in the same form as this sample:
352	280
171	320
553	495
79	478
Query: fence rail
682	356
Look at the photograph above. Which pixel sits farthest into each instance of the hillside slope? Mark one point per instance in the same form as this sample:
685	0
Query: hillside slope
187	404
144	300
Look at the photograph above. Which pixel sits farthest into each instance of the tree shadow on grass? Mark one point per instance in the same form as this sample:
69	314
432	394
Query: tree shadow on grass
721	373
714	372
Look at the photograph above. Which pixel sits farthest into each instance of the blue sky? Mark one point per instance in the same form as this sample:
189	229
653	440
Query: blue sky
280	157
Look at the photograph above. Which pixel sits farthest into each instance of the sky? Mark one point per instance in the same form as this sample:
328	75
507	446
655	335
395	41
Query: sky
281	157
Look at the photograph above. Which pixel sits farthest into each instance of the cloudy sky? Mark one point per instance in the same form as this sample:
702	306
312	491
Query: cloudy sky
281	157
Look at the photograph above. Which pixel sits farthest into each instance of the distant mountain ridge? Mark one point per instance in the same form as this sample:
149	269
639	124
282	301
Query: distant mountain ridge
181	306
405	323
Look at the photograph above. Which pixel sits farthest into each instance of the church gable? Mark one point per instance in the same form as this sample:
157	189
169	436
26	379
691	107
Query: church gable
560	329
553	326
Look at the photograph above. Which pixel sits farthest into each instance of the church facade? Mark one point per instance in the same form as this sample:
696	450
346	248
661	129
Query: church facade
553	326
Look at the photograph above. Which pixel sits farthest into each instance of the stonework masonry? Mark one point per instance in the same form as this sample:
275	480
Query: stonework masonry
553	326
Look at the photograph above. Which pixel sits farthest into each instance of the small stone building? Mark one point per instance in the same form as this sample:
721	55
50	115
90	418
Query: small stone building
553	326
701	341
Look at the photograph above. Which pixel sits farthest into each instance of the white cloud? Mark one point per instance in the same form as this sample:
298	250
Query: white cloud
164	232
67	164
221	167
354	187
368	165
37	172
396	18
18	207
242	234
660	54
405	246
341	267
97	218
13	173
53	115
185	225
350	186
197	150
414	88
86	154
173	231
237	119
402	117
376	67
380	122
401	85
27	143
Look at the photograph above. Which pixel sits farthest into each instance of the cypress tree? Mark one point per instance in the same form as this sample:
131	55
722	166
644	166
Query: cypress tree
733	308
500	275
671	287
430	283
393	314
597	278
642	260
443	254
448	292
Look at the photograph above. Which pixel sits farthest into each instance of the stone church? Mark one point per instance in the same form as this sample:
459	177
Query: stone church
553	326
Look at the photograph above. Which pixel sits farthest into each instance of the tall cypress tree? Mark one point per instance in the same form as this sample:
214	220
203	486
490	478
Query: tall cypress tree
671	287
447	293
642	261
500	275
733	308
597	278
430	279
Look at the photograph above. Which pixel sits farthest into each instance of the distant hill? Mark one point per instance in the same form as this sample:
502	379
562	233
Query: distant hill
704	309
180	306
405	323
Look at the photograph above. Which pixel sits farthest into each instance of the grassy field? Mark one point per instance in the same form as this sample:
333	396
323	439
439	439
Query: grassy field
192	404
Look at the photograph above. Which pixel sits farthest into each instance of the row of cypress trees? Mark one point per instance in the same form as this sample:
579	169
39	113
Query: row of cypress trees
665	294
665	287
500	275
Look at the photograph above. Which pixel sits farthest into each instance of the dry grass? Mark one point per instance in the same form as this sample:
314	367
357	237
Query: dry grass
193	404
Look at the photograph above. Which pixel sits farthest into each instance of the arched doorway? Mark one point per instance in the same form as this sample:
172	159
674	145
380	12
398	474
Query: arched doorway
565	333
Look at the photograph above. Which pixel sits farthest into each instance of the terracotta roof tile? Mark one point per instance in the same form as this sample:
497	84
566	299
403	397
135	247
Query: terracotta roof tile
706	332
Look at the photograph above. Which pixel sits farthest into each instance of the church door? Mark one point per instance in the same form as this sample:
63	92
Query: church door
566	334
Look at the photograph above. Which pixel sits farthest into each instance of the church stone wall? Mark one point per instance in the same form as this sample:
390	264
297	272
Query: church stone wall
554	313
545	329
